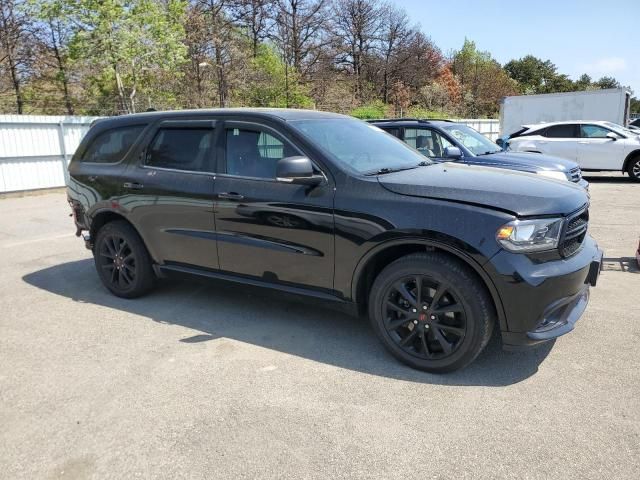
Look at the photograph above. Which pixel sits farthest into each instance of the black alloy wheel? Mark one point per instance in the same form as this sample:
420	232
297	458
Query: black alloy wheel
424	317
118	261
122	260
431	311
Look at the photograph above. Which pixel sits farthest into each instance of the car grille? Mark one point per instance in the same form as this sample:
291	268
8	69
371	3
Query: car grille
574	233
576	174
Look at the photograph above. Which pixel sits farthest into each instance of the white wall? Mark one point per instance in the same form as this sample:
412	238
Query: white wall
35	149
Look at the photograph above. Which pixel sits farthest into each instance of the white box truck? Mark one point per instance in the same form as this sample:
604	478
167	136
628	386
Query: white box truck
611	104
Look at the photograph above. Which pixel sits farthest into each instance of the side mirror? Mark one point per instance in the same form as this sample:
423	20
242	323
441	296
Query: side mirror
612	136
298	170
500	142
452	152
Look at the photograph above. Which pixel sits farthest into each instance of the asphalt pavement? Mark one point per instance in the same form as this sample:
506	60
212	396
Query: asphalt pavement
222	382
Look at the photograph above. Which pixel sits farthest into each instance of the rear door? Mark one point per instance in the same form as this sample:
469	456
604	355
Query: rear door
597	151
560	141
170	193
266	228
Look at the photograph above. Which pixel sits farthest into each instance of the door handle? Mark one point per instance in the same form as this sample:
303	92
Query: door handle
231	196
133	185
584	143
92	178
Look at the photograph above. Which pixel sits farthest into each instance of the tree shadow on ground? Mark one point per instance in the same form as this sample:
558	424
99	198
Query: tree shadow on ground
279	322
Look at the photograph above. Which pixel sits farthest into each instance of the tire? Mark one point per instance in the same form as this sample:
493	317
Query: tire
122	260
452	320
633	169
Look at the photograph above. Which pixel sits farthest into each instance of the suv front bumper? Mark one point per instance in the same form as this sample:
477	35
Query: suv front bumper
544	300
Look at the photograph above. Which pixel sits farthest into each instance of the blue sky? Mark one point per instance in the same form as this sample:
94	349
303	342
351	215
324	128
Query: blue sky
588	36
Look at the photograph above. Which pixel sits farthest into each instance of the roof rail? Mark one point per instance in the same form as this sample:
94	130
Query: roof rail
407	119
395	119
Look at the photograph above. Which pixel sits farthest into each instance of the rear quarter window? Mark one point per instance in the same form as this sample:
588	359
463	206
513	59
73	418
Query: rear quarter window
112	145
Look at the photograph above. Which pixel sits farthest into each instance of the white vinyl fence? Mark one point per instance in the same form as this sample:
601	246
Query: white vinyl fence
487	126
35	149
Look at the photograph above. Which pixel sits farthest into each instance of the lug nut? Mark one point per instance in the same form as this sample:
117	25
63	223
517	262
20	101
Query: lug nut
433	317
424	307
414	310
415	322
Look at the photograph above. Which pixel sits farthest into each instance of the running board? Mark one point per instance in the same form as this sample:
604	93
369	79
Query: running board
255	282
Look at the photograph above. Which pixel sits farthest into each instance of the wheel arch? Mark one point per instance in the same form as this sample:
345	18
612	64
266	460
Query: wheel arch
374	261
627	160
101	218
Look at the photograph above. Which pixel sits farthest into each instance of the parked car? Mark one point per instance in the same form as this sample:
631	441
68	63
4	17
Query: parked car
594	145
635	123
435	254
446	141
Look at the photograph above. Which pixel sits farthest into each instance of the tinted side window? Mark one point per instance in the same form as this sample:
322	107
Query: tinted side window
182	149
593	131
428	142
111	146
392	131
254	153
562	131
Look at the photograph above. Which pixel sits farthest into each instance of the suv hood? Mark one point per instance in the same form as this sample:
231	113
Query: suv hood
524	161
521	194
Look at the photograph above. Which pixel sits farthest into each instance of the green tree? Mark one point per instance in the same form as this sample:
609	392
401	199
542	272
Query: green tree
530	72
607	82
271	83
130	46
535	75
584	82
482	79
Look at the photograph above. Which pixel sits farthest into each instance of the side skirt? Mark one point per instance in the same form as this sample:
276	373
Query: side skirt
320	297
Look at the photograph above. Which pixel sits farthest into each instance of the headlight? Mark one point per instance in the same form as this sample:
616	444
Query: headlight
530	235
553	174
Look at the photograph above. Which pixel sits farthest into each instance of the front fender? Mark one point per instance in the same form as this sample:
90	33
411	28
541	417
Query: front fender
433	240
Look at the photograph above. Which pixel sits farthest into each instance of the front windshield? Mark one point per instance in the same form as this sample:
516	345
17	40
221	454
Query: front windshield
358	145
472	139
619	128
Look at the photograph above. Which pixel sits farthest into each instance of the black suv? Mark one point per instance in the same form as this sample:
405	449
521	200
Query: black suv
446	141
330	207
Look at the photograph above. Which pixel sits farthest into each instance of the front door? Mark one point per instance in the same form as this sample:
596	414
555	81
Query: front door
428	142
276	231
170	193
597	151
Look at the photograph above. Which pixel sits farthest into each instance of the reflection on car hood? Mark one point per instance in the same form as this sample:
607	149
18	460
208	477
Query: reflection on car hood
524	161
522	194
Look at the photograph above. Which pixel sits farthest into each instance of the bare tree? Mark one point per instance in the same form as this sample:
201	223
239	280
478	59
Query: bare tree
53	33
356	26
256	18
299	32
394	39
15	50
220	31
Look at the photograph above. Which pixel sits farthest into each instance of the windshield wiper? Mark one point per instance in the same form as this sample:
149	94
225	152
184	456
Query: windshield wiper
385	170
487	153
